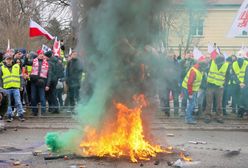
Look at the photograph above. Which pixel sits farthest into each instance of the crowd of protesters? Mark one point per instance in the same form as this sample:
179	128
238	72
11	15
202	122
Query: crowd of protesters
208	86
27	79
203	87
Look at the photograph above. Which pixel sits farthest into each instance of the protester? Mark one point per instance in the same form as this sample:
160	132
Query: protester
28	69
74	72
10	80
60	84
3	106
186	63
217	77
52	83
239	69
191	85
40	78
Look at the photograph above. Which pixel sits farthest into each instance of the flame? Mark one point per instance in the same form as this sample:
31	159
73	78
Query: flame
185	158
122	138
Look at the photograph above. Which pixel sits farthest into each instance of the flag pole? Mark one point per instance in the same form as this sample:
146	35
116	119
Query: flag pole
28	43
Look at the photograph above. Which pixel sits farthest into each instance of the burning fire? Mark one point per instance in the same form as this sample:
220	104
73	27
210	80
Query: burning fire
122	138
185	158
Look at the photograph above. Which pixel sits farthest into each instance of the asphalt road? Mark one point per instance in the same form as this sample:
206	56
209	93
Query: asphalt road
220	150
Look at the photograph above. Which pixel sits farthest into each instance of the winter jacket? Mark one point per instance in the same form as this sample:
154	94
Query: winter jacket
3	103
74	72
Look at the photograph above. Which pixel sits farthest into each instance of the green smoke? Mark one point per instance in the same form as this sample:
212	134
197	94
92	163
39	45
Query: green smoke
113	37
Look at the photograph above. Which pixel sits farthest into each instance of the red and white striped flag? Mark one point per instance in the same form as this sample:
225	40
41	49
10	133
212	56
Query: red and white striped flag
56	47
197	54
36	30
213	51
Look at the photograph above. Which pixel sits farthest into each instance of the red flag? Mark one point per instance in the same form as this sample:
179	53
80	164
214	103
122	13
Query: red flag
213	51
56	47
36	30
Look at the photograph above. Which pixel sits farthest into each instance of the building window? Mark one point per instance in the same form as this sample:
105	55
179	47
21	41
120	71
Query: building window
244	33
197	27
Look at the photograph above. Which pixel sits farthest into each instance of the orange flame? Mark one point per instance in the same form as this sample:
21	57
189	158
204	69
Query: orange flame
123	137
185	158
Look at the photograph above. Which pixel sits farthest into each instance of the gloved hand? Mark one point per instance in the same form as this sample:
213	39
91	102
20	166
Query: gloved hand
242	85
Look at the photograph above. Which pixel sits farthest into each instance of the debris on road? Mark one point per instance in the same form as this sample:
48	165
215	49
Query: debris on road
156	162
16	163
170	163
66	157
54	157
233	153
82	166
170	135
37	152
197	142
180	163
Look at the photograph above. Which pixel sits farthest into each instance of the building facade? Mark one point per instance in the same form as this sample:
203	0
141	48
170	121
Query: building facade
211	27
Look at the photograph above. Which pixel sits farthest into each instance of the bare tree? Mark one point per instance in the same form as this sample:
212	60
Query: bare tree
14	21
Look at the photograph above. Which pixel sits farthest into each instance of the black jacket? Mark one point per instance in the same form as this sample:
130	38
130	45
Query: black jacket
3	103
74	72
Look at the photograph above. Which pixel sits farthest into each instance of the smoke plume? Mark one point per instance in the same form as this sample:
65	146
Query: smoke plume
117	38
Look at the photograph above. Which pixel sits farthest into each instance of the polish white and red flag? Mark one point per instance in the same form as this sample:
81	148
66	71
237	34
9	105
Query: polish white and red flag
240	23
198	55
56	47
36	30
213	51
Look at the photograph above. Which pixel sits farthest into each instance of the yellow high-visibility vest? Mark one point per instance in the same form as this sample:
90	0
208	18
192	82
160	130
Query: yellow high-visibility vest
11	79
197	82
29	69
62	54
240	72
216	76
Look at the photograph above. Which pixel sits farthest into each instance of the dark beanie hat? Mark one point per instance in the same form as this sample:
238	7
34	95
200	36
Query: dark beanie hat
48	54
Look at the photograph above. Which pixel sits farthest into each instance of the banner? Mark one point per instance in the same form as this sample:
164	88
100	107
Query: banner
240	23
